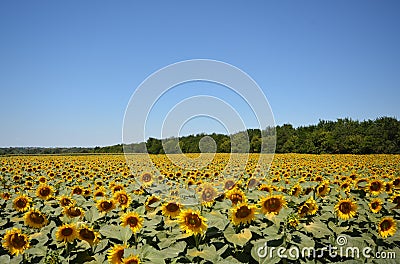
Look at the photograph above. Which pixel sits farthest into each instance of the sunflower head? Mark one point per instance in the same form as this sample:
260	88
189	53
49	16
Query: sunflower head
346	209
236	196
171	209
272	204
243	214
116	254
192	222
323	189
375	187
104	205
123	199
296	190
132	259
208	194
44	191
310	207
146	179
15	241
387	227
87	234
67	233
34	218
21	203
133	220
73	211
375	205
229	184
151	203
78	190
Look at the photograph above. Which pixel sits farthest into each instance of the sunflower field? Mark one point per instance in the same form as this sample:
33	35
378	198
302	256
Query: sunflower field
99	209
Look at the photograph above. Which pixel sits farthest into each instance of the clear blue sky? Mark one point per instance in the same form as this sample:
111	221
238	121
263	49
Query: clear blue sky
68	68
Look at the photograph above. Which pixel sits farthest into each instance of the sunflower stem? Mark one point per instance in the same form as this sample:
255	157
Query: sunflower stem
196	239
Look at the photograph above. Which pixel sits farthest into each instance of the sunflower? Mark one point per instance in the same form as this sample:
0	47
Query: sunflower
296	190
171	209
243	214
44	191
146	179
252	183
21	203
66	201
132	259
105	205
67	233
117	188
389	187
396	200
149	205
122	198
229	184
266	188
87	234
99	193
375	187
272	204
34	218
375	205
310	207
387	227
78	190
346	209
116	254
208	195
73	211
133	220
293	221
192	222
236	196
15	241
323	189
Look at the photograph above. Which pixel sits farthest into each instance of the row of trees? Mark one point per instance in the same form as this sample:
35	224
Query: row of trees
381	135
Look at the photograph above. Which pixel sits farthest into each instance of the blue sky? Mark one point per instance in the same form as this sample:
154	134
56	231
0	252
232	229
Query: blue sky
69	68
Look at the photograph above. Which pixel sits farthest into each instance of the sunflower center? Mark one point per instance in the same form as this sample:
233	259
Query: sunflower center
207	195
21	203
74	211
67	231
120	254
345	207
106	205
87	234
77	191
123	199
36	217
375	205
243	212
44	191
229	185
146	177
396	200
132	221
193	220
17	240
375	186
65	202
273	204
386	225
235	198
172	207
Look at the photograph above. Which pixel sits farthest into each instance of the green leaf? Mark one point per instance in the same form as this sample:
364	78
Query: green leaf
317	228
174	250
92	215
238	239
337	229
216	219
117	232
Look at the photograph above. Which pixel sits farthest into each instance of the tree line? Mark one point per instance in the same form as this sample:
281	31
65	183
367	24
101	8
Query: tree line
346	136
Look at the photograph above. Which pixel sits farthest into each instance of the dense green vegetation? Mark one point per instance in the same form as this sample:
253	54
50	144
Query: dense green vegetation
381	135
